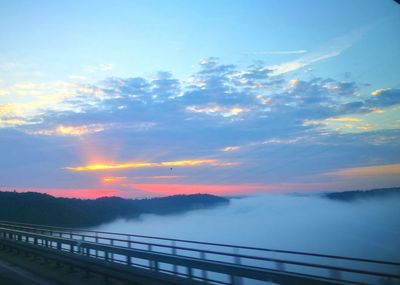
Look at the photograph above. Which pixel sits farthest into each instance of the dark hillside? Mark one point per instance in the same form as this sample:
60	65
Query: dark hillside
44	209
350	196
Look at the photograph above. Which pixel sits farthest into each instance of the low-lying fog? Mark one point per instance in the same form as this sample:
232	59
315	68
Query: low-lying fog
364	228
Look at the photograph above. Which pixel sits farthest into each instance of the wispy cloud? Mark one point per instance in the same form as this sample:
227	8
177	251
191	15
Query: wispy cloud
113	179
286	67
13	121
283	140
278	52
231	148
82	130
63	130
344	119
328	50
376	170
224	111
103	67
132	165
77	77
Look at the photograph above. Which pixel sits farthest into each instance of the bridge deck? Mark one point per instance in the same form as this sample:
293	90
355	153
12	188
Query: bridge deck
151	260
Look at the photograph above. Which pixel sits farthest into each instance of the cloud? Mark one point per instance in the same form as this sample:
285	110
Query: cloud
289	66
113	179
328	50
384	98
216	109
283	140
62	130
379	91
77	77
102	67
143	164
279	52
376	170
231	148
13	121
286	128
344	119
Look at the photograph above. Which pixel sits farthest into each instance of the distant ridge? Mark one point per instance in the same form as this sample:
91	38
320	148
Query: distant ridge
37	208
363	194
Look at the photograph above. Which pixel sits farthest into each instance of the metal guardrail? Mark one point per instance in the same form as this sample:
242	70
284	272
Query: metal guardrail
210	262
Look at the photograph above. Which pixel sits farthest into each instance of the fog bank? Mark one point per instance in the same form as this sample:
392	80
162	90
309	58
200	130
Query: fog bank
364	228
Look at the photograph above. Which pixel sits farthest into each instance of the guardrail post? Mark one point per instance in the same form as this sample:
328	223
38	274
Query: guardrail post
335	274
204	272
151	262
112	254
79	247
236	280
97	241
280	266
175	267
190	272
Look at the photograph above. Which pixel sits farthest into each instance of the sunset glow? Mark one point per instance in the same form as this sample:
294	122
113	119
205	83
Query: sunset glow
128	165
83	193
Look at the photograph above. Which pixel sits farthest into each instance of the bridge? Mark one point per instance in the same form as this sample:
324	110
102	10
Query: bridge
140	259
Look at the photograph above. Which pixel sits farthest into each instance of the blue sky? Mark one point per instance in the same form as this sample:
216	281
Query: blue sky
144	98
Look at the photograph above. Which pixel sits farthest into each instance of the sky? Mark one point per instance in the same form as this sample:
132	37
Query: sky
153	98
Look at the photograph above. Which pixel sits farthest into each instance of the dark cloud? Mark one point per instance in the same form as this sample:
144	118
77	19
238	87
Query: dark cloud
386	98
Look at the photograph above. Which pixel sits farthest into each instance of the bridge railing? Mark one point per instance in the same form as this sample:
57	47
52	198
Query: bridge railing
119	248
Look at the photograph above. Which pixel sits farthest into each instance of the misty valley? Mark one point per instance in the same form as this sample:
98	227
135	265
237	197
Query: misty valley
302	228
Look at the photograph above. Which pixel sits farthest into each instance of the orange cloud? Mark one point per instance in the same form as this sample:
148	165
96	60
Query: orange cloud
379	91
344	119
388	169
112	179
172	189
130	165
293	83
